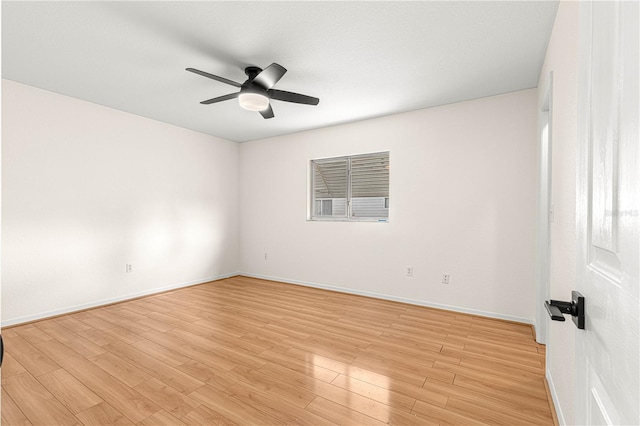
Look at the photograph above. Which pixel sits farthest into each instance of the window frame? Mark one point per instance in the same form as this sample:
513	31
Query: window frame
311	216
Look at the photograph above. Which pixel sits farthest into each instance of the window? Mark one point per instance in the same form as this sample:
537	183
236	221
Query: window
324	207
351	188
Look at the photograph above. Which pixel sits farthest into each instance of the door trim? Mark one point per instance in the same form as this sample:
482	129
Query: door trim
543	249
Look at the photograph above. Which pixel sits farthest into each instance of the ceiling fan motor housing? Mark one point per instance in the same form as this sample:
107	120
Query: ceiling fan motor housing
252	72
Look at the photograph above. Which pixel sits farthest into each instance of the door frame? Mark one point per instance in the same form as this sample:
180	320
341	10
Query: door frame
545	209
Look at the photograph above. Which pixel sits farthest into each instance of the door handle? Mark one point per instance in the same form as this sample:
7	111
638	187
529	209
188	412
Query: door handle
557	309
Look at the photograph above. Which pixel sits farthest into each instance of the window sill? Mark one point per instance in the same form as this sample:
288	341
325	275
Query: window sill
337	219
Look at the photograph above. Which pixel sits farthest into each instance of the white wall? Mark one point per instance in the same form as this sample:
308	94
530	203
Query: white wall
462	202
562	59
87	189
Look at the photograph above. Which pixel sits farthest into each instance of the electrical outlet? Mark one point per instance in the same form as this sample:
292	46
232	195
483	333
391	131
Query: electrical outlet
409	271
266	256
128	268
445	278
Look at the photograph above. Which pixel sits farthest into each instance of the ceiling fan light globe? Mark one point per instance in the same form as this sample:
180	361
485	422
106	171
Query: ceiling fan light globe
253	101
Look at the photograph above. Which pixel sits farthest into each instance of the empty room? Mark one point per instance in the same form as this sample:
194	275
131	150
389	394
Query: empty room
320	213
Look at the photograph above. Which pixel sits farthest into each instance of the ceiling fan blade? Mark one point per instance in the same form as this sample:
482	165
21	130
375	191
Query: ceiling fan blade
297	98
214	77
220	98
267	113
269	76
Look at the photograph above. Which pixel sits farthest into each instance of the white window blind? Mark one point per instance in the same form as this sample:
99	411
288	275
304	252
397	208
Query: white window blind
351	188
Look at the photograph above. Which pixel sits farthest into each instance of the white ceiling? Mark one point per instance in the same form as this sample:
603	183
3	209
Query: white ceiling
362	59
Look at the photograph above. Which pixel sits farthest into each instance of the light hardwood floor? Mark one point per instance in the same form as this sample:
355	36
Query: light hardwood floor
248	351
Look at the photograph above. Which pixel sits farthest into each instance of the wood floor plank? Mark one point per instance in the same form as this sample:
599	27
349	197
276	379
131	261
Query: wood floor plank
482	364
279	408
68	390
189	350
319	360
409	345
103	414
73	324
37	363
154	324
286	388
127	373
264	338
400	357
84	347
122	311
487	414
222	338
500	403
491	362
169	375
96	336
129	402
167	397
161	353
210	374
16	345
304	367
532	358
523	388
56	330
37	404
249	351
507	393
354	401
206	416
297	380
383	395
54	349
240	356
401	370
502	327
339	414
11	413
123	334
32	334
292	331
89	318
119	321
446	417
184	315
10	366
217	341
332	352
161	418
223	323
230	407
516	341
531	410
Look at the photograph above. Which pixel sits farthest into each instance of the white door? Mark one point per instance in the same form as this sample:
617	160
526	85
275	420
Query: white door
607	351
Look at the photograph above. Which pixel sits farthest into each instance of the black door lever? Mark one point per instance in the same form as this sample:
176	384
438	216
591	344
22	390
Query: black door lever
575	308
554	312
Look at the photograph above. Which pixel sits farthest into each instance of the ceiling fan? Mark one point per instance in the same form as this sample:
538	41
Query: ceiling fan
256	92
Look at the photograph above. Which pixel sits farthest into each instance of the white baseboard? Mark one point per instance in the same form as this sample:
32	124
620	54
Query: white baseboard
75	308
393	298
554	398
